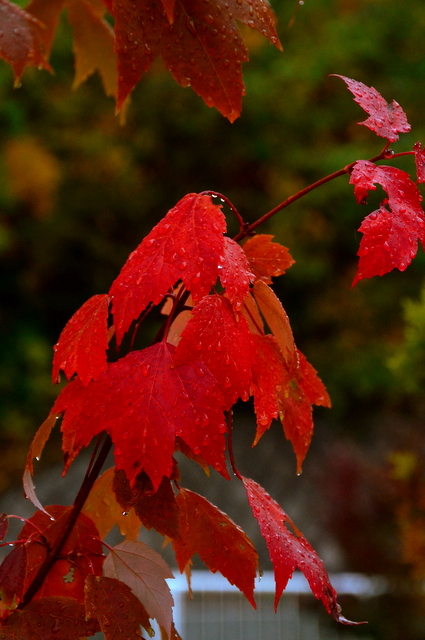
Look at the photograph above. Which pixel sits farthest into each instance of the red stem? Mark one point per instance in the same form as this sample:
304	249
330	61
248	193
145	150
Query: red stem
231	206
230	444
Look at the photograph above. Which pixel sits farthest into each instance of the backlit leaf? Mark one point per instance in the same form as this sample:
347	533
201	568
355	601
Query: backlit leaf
104	510
39	440
392	232
20	44
386	120
267	258
82	345
186	244
119	612
222	340
144	401
144	571
93	45
288	551
47	12
218	541
276	317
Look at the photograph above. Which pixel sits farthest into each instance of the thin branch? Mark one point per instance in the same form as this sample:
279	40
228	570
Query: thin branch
216	194
230	444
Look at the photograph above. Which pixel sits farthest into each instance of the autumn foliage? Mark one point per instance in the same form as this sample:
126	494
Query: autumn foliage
225	336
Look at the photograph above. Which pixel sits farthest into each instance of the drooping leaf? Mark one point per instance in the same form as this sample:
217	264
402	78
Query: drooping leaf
144	571
39	440
419	161
93	45
392	232
252	315
200	45
119	612
277	319
159	510
235	274
386	120
144	401
288	551
295	406
82	345
270	380
81	554
104	510
218	541
223	342
52	618
29	491
21	40
267	258
186	244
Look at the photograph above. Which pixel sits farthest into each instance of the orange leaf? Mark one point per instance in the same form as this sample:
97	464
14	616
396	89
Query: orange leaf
93	45
267	258
218	541
104	510
277	319
39	440
48	12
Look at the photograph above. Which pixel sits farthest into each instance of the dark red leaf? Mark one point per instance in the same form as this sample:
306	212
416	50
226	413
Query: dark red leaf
386	120
390	234
20	43
186	244
119	612
82	345
202	47
159	511
53	618
218	541
222	340
419	161
288	551
144	401
80	555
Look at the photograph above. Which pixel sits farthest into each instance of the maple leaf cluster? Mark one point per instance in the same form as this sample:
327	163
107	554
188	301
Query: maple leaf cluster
199	42
225	337
390	234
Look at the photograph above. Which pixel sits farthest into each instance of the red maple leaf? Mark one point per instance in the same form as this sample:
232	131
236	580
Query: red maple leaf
21	41
222	340
419	161
218	541
187	244
235	274
144	401
288	551
81	554
82	345
386	120
391	233
198	41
